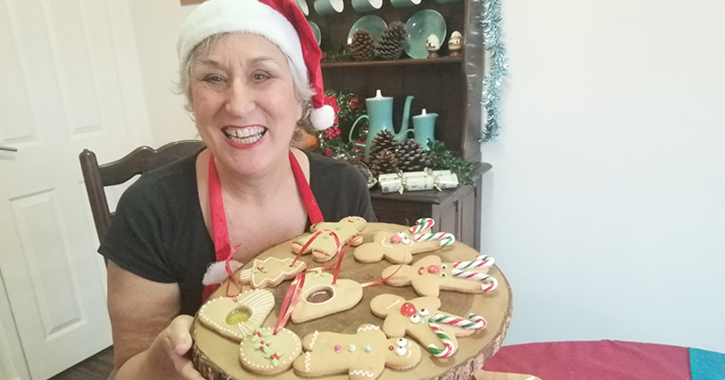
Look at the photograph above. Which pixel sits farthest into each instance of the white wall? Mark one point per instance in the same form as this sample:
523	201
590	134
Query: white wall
156	27
606	204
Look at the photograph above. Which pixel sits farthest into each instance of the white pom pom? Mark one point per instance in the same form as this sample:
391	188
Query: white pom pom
322	118
216	274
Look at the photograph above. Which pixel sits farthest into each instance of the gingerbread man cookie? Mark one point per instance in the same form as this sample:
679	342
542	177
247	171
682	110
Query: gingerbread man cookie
320	297
421	319
363	356
270	272
401	246
237	317
429	275
265	353
333	235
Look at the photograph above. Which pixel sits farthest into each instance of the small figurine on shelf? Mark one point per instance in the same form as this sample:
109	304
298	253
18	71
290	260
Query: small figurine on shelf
432	44
390	44
455	44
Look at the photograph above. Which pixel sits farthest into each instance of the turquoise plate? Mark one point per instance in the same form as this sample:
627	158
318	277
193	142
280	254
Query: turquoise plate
302	4
373	24
316	32
420	26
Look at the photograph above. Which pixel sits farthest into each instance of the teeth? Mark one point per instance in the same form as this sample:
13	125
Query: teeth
244	135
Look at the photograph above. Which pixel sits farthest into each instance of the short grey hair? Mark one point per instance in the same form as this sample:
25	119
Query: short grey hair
303	90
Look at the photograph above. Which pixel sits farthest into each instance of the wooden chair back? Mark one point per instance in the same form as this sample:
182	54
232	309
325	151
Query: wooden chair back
139	161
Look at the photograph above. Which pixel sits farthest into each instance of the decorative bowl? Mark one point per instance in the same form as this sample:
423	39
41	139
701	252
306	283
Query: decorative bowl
421	25
373	24
315	31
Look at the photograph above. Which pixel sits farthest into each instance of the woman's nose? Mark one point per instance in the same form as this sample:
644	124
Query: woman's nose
240	100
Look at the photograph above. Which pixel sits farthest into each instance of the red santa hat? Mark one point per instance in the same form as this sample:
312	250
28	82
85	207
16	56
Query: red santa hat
281	22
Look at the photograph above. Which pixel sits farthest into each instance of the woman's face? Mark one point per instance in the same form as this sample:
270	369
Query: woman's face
244	102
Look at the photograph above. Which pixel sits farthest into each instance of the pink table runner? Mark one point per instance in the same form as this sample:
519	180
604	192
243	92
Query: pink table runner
607	359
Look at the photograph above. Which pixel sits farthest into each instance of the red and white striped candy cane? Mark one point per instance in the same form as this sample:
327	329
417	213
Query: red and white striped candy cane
474	321
489	282
448	348
481	261
422	225
446	238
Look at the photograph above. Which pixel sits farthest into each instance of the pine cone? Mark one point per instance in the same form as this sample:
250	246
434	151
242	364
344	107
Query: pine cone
390	44
383	163
411	157
384	140
362	47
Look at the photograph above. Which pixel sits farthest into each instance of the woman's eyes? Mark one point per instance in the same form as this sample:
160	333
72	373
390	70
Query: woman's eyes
256	77
213	79
261	77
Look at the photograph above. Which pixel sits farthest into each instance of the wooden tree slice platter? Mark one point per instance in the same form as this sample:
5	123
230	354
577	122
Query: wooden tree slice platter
217	358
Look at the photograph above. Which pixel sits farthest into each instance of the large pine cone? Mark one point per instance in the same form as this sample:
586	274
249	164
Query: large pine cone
383	163
390	44
385	140
362	47
411	157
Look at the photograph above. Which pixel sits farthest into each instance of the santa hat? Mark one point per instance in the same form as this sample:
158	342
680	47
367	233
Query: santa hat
281	22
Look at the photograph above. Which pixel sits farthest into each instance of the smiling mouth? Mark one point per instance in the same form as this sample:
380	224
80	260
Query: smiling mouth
246	135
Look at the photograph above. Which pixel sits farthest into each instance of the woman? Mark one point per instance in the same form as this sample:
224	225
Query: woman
245	68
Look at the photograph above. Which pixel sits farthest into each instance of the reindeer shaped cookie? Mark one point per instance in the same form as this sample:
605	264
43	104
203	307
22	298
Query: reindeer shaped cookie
363	356
399	247
421	319
429	275
333	235
270	272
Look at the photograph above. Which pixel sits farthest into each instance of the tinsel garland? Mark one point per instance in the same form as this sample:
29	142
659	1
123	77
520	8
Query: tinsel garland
493	39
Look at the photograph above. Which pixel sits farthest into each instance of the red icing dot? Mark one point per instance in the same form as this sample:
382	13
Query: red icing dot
395	239
338	348
408	309
391	348
434	269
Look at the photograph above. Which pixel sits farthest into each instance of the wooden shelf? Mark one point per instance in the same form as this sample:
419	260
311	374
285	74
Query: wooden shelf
397	62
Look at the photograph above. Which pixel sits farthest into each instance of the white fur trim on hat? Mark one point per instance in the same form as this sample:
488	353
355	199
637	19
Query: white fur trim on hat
323	117
241	16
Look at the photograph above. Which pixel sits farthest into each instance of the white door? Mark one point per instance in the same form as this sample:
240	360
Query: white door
62	74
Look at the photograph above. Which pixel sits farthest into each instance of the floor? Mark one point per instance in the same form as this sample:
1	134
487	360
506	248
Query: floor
97	367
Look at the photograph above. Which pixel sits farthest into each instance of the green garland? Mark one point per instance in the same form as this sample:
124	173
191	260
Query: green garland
492	35
440	158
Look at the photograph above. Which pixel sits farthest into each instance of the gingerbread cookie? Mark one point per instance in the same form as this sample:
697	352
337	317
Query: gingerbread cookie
270	272
401	246
421	319
363	356
333	235
429	275
265	353
237	317
320	297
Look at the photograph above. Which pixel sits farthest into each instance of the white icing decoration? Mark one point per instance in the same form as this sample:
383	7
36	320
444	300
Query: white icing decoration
393	304
361	373
307	361
368	328
314	338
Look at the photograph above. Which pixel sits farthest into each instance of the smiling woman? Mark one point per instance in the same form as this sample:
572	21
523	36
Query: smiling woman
250	72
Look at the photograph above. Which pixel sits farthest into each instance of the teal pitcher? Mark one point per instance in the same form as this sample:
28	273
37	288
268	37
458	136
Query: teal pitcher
380	117
424	126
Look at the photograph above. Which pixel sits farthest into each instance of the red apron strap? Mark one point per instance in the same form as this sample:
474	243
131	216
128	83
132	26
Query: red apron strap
313	209
220	232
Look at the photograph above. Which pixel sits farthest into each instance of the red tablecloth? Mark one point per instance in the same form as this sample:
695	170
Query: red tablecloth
607	359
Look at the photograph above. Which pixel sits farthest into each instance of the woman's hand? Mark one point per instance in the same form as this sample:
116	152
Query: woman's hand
150	338
176	341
